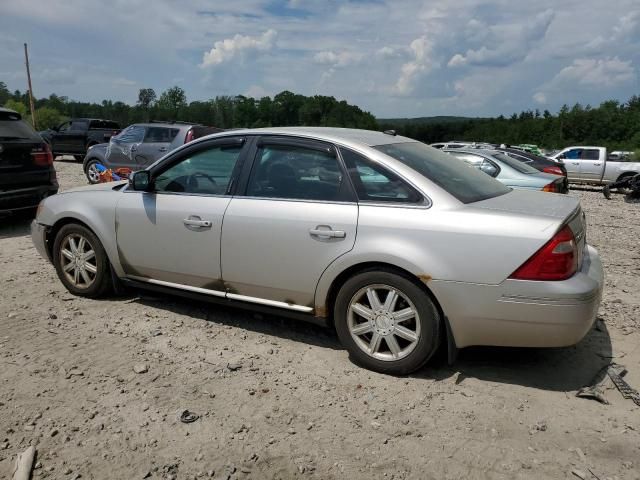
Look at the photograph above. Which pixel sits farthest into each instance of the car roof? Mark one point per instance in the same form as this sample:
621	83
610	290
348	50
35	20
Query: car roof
7	110
165	124
368	138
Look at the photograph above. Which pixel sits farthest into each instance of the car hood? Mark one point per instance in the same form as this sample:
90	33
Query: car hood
98	187
533	203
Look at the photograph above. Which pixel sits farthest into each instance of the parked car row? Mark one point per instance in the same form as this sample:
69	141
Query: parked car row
77	135
267	218
512	170
141	144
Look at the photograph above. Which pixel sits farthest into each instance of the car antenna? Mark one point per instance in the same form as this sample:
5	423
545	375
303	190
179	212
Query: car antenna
390	132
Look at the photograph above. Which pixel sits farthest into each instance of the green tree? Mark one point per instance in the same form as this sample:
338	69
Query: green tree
5	94
19	107
171	101
48	117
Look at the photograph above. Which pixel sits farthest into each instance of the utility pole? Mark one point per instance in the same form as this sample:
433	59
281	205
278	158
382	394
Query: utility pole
33	112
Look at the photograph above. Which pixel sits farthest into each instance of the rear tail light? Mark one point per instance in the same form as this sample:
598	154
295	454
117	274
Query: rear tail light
42	156
189	136
553	170
551	187
557	260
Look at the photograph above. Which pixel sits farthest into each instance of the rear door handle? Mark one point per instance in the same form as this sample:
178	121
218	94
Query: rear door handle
196	222
316	232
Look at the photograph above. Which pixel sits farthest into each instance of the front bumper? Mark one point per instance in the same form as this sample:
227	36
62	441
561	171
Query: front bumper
520	313
39	238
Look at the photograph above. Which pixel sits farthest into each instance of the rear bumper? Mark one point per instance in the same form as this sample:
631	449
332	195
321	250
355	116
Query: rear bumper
519	313
25	198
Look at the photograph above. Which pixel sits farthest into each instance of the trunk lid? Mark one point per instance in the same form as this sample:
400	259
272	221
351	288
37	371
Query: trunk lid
563	209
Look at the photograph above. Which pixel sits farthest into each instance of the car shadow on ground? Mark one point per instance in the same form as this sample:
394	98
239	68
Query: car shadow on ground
556	369
15	225
221	314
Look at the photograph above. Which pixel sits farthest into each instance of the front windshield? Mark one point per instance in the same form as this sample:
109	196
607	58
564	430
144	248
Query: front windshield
464	182
515	164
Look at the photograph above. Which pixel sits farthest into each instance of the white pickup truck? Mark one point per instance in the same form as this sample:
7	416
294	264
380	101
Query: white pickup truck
590	165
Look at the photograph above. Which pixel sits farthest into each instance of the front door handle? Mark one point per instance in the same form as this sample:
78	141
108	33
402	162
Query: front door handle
162	149
328	233
196	222
597	164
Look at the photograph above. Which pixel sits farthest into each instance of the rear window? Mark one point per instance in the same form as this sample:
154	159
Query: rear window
13	127
451	174
103	125
517	165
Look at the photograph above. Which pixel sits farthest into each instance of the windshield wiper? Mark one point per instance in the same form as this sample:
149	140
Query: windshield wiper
13	138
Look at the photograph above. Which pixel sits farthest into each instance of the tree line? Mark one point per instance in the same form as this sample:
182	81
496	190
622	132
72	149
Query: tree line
613	124
285	108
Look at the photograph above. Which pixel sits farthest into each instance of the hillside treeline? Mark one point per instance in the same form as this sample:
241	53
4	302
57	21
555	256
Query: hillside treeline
285	108
612	124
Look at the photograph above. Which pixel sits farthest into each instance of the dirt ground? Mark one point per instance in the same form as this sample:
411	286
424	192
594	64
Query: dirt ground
280	399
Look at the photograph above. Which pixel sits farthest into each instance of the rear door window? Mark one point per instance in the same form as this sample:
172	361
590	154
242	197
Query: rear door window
79	125
296	173
160	135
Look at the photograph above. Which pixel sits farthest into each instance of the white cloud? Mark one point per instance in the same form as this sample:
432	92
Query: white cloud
340	59
421	48
540	97
224	50
506	43
595	73
256	91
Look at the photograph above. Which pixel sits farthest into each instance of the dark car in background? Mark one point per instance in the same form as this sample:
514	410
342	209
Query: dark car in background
543	164
141	144
77	135
26	165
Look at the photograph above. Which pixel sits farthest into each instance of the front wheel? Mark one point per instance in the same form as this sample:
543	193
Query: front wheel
92	172
387	322
81	262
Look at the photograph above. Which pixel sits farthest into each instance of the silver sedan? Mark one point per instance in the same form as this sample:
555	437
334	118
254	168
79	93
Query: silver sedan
510	171
396	245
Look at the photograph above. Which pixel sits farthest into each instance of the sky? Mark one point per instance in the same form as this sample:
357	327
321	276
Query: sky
394	58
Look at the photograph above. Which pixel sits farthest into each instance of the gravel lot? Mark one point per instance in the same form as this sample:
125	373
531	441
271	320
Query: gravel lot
280	399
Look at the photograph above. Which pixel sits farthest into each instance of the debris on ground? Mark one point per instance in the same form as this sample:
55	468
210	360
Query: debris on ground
188	417
140	368
616	372
24	464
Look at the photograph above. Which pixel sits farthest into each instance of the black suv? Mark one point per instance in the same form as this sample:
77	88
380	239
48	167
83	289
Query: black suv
26	165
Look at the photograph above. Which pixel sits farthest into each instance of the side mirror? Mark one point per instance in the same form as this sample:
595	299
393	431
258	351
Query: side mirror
562	156
56	128
141	180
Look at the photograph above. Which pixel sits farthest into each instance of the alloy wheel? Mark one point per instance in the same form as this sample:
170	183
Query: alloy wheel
78	260
383	322
93	173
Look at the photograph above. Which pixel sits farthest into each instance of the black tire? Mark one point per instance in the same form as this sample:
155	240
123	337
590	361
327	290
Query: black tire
624	190
90	174
428	318
101	280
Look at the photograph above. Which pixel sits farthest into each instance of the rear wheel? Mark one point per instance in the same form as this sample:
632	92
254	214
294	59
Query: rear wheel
81	262
387	322
92	172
